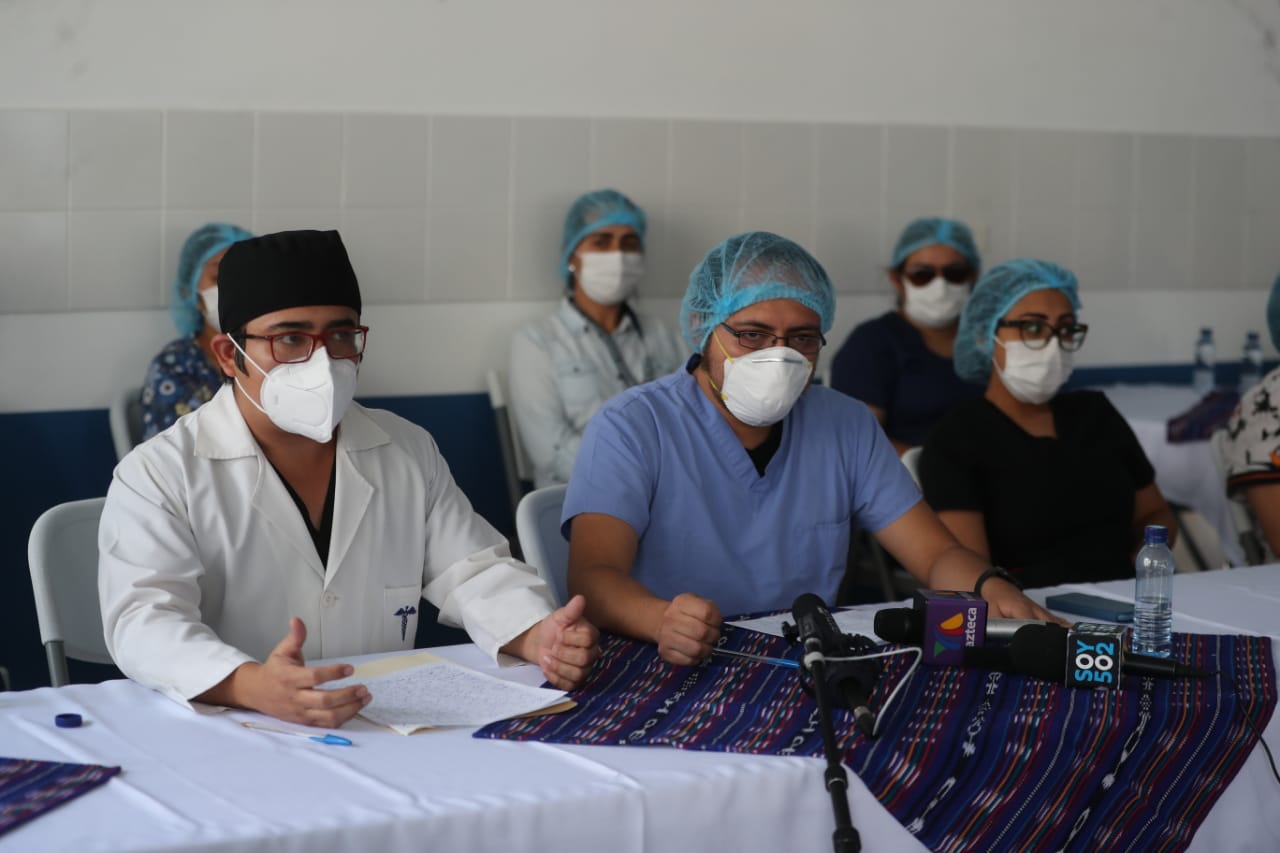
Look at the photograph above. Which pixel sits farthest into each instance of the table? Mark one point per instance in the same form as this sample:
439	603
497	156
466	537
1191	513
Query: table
203	783
1186	473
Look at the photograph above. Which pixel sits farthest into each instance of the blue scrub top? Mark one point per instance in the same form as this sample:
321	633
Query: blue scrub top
662	458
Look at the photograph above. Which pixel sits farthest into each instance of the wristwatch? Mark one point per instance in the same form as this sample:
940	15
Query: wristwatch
994	572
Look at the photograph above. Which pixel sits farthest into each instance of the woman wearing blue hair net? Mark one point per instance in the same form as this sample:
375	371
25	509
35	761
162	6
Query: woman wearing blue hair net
595	345
731	486
899	363
1050	484
1253	444
184	374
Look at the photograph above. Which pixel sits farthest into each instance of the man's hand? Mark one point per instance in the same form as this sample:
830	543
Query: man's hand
1006	601
567	645
286	688
690	627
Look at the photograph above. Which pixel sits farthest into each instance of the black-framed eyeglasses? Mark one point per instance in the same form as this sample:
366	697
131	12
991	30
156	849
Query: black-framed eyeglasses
805	343
1037	333
293	347
922	274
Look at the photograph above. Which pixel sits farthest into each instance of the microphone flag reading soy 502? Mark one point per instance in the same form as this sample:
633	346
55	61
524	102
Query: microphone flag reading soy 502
1087	655
850	682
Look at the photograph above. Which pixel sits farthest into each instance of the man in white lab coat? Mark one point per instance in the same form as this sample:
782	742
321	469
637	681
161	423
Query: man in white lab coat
283	508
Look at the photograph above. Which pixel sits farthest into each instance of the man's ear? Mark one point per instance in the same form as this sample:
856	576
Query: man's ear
225	352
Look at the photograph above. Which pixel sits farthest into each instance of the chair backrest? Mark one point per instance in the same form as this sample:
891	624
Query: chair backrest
538	528
125	415
1241	517
911	459
63	556
515	467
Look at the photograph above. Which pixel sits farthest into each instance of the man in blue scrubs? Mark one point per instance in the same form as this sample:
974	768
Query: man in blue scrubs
731	487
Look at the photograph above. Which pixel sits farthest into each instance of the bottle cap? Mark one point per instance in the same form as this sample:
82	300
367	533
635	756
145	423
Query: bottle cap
67	721
1156	534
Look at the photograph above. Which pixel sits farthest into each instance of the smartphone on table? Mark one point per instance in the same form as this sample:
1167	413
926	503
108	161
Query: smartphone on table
1093	606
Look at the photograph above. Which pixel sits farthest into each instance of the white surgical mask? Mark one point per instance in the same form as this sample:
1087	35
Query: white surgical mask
762	386
1034	375
609	277
308	398
935	304
209	299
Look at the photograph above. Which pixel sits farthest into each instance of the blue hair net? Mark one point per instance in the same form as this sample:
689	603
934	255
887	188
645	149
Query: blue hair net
750	268
934	232
1273	313
202	244
594	211
992	297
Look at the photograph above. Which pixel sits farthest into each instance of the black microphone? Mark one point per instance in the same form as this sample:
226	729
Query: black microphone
1087	655
907	625
850	682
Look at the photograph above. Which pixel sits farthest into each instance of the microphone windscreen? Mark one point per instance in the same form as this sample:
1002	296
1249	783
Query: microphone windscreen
1040	651
899	625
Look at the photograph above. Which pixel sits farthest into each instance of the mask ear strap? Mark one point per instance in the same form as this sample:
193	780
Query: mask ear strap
236	379
716	337
708	367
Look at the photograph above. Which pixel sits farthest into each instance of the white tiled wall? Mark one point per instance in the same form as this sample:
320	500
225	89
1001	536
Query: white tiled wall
95	204
467	210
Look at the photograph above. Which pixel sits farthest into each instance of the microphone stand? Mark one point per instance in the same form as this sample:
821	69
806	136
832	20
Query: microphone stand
845	839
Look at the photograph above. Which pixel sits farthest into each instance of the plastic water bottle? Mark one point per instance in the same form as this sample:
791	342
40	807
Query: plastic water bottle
1202	381
1153	603
1251	364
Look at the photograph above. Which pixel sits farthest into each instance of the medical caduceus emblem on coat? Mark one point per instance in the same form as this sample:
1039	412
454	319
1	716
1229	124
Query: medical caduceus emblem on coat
404	613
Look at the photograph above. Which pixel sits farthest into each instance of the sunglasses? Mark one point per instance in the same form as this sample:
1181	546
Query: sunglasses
925	273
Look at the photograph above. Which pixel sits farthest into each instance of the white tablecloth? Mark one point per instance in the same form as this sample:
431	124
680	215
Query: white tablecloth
1186	473
203	783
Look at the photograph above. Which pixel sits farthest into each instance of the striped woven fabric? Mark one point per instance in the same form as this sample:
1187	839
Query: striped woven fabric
30	788
966	759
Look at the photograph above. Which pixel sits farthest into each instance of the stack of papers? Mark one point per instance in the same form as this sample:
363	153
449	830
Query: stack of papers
423	691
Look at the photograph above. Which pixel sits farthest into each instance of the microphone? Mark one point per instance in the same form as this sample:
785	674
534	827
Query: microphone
907	625
948	623
850	682
1087	655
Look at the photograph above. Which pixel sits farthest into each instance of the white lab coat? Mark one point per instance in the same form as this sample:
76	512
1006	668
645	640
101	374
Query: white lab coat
204	556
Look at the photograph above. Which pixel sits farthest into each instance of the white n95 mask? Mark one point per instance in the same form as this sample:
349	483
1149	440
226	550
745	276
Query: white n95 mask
609	277
1034	375
209	297
762	386
307	398
935	304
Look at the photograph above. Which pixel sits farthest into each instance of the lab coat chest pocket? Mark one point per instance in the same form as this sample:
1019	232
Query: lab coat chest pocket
400	616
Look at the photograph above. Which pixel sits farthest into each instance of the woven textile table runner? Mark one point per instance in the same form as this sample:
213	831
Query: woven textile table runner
30	788
966	758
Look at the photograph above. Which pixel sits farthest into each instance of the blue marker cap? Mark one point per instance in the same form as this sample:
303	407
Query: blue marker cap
334	740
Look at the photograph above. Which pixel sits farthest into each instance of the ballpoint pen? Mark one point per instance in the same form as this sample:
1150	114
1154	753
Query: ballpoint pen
332	740
787	662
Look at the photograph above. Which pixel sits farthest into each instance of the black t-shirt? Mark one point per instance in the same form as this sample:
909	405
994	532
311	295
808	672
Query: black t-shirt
1056	510
885	363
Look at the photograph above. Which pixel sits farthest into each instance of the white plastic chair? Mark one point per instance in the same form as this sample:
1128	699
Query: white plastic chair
515	467
125	416
63	556
911	459
538	528
1254	550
